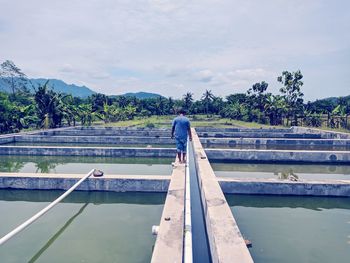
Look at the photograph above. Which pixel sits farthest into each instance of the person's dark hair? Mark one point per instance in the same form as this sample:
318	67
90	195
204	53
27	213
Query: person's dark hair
182	111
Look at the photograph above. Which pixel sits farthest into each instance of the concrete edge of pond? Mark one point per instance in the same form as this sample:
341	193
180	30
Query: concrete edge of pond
93	139
87	151
170	238
278	187
323	133
225	239
114	183
296	156
274	141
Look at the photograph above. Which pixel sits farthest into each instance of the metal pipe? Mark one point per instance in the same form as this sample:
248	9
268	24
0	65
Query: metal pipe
188	257
43	211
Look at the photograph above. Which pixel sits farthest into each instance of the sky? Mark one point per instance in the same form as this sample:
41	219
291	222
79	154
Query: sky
172	47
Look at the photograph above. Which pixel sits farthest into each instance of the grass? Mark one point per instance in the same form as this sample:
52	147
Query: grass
196	121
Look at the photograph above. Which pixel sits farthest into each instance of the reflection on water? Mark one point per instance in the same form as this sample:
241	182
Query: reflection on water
78	229
282	171
56	235
279	147
81	164
294	229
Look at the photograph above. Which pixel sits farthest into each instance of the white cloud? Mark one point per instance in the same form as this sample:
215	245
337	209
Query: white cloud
114	46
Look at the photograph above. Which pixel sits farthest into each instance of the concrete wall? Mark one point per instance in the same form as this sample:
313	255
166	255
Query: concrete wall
225	240
170	239
284	156
94	139
276	141
209	129
322	133
278	187
87	151
110	132
258	134
6	139
115	183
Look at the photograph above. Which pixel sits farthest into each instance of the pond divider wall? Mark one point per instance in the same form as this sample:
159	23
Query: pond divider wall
285	187
322	133
94	139
87	151
274	141
274	156
210	129
6	139
225	239
170	238
258	134
113	183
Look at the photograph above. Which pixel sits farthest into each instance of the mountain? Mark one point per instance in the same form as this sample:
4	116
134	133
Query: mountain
76	91
56	85
142	95
62	87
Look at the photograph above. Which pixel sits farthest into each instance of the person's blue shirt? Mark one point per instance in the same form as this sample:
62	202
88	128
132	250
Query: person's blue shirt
181	124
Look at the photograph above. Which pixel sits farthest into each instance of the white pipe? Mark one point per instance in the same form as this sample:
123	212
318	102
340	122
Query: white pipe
43	211
188	258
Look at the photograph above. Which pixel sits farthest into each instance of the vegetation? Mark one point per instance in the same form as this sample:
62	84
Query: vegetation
48	109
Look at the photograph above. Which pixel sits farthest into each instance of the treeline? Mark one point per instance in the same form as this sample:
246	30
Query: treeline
46	108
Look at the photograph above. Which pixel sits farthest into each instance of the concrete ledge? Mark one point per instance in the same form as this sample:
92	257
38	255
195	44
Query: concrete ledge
275	141
239	129
115	183
259	134
154	133
170	238
285	156
225	239
278	187
6	139
94	139
322	133
87	151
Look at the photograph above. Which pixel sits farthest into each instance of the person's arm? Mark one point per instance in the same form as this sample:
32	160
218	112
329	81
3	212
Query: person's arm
189	132
172	130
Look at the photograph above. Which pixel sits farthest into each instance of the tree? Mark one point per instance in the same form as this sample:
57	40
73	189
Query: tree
188	100
237	98
291	90
13	76
257	94
207	99
275	108
50	106
257	101
98	100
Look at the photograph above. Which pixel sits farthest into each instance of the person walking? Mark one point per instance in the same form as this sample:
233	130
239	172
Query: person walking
181	128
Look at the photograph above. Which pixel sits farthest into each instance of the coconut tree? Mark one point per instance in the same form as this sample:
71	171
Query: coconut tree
207	99
188	100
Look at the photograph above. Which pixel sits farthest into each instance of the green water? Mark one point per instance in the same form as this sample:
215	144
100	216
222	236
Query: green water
83	164
280	147
294	229
282	171
90	145
87	227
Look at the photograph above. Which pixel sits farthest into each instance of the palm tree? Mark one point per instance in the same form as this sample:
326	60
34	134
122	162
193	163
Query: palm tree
207	99
188	100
